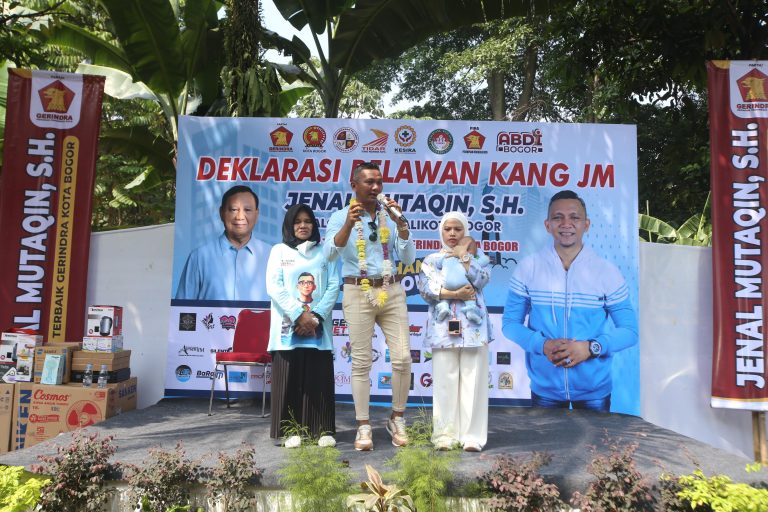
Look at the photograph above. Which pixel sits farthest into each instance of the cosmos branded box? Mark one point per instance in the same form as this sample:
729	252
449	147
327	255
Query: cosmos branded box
41	412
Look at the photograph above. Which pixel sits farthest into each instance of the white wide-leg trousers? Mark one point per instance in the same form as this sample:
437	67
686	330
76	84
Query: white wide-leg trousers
460	395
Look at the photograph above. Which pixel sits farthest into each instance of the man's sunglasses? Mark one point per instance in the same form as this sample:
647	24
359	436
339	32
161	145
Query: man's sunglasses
374	234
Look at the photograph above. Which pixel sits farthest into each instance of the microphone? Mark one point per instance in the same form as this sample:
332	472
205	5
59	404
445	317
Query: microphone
382	199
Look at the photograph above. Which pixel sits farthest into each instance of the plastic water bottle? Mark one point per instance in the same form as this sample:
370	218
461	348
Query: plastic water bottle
103	377
88	375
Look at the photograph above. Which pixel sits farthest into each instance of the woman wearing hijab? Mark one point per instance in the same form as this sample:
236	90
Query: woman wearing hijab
459	346
303	287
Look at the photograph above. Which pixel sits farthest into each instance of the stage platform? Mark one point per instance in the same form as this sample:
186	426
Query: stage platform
568	435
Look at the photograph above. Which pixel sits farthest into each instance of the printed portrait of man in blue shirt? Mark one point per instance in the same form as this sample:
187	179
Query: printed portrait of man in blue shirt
231	266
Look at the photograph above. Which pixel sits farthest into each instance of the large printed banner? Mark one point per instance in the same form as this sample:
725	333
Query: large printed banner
46	187
738	115
500	174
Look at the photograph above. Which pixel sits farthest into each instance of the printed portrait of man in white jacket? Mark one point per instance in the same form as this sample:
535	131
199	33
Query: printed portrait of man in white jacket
570	310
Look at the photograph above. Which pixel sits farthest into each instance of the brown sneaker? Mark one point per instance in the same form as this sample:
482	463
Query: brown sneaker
396	428
364	439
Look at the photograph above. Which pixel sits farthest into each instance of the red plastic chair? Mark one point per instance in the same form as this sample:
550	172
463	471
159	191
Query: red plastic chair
249	348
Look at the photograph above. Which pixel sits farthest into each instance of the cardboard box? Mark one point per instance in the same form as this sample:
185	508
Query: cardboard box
18	337
113	377
63	349
15	345
8	352
18	350
6	416
103	343
113	360
42	412
25	367
104	321
8	373
22	400
53	369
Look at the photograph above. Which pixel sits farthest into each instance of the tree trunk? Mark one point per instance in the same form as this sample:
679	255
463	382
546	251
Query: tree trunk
252	88
529	79
241	49
496	93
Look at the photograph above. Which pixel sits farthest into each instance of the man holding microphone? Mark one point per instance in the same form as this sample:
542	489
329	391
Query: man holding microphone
369	235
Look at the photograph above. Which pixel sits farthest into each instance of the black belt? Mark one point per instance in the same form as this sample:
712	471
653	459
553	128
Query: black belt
376	282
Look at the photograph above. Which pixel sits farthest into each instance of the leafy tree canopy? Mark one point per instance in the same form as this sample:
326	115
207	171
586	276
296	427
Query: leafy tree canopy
612	61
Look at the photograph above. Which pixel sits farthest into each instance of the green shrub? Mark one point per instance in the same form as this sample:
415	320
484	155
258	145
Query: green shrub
163	482
19	490
229	483
78	475
517	485
316	479
420	470
717	494
618	485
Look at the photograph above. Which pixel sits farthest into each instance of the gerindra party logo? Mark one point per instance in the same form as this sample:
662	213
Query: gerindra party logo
56	97
55	100
281	139
474	141
753	86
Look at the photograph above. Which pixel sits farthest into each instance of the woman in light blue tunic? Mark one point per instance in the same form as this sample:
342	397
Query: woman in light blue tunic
303	287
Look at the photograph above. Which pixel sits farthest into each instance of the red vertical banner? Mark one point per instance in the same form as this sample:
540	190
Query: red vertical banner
738	118
46	189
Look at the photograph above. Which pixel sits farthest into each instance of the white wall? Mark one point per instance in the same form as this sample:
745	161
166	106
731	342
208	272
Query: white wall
676	348
132	268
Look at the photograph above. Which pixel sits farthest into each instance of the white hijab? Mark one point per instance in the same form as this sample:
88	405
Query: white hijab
453	216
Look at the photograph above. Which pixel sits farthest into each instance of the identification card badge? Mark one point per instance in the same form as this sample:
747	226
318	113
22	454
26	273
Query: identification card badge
454	327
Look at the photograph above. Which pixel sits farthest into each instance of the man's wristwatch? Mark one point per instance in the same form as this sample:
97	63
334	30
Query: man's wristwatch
465	257
595	348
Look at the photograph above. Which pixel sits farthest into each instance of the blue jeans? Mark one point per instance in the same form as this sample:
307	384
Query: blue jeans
600	404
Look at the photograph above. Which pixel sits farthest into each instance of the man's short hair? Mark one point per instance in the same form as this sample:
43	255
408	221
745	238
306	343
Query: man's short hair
237	189
305	274
373	166
566	194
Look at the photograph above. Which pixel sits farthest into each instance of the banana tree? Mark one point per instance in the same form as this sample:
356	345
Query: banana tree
359	32
175	62
696	230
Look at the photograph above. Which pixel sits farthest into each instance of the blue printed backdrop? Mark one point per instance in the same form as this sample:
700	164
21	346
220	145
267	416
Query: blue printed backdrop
501	174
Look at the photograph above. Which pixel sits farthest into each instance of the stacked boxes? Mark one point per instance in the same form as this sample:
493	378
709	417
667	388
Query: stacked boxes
118	365
40	404
103	345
